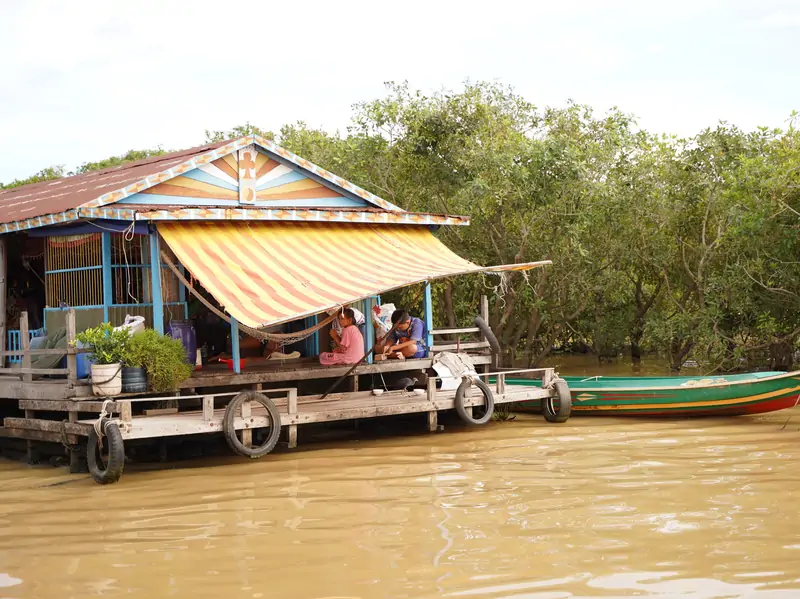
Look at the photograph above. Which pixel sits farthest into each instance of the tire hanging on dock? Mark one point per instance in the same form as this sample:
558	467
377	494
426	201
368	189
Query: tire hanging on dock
230	432
461	395
558	409
102	471
494	344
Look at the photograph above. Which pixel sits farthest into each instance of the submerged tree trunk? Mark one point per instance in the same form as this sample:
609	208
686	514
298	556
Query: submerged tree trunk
679	349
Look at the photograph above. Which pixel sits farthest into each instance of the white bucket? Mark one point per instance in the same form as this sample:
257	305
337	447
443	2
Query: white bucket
106	379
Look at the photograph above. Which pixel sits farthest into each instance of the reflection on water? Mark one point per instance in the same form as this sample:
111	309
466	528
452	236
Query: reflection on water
589	509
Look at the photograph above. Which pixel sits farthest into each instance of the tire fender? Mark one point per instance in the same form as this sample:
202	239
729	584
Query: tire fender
106	473
228	422
461	409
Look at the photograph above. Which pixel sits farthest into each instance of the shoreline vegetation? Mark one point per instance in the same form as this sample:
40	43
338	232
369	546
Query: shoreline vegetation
685	247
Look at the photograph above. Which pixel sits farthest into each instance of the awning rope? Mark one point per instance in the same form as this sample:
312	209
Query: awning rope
281	338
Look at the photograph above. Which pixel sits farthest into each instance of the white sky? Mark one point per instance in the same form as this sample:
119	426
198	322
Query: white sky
82	80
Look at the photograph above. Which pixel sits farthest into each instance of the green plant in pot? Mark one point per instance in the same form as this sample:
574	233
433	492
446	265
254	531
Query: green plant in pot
162	357
108	347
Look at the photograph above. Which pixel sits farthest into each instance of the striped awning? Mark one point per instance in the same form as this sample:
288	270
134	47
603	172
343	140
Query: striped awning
267	273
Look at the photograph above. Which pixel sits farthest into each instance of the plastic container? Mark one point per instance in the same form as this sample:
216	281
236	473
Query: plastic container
134	380
184	331
230	363
106	379
84	363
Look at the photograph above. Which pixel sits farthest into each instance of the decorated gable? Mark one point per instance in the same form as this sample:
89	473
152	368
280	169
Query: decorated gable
246	177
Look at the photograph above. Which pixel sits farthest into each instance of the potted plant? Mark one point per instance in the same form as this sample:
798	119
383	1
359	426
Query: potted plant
108	346
161	356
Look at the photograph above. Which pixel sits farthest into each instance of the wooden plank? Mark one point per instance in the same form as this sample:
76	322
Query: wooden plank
303	374
42	371
25	344
52	405
461	346
41	352
38	424
187	423
160	411
72	358
34	435
46	390
455	331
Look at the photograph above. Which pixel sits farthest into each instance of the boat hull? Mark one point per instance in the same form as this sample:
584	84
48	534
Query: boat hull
673	396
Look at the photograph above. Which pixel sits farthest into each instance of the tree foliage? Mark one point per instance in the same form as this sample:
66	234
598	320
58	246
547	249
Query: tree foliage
682	246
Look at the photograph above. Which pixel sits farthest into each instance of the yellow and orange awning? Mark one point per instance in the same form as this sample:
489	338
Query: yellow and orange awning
267	273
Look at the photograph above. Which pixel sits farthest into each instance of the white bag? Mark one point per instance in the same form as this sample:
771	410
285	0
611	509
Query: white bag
134	324
451	367
382	317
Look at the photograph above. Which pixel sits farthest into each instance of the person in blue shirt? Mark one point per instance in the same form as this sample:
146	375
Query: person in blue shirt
408	340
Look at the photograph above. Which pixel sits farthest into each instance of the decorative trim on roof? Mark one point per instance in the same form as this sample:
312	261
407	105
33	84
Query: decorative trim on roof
321	172
300	214
148	213
229	148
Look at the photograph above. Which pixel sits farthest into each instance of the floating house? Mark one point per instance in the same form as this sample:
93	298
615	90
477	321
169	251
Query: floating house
255	233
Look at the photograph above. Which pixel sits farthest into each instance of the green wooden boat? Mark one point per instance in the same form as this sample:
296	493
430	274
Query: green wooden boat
733	395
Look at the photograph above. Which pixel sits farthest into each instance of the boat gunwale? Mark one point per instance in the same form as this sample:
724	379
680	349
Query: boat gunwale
786	375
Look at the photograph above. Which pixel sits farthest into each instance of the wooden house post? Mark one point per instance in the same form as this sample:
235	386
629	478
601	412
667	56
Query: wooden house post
235	353
155	281
108	290
3	295
429	314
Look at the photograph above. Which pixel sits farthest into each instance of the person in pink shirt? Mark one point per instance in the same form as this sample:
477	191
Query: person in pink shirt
350	348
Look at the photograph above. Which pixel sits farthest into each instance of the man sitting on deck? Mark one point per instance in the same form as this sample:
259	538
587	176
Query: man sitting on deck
408	340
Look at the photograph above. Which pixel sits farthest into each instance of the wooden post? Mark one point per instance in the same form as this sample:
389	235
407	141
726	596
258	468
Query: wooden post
155	282
33	456
25	346
208	408
126	412
3	295
108	283
433	415
77	463
247	433
501	383
235	353
291	399
484	313
72	356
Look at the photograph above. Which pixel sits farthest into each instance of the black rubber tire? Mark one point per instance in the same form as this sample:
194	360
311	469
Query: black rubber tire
106	473
230	433
461	410
488	333
564	410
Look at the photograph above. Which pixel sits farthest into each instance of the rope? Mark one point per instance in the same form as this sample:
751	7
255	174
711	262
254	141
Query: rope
64	440
282	338
99	428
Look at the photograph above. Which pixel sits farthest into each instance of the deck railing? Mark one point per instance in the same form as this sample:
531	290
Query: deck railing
22	354
14	343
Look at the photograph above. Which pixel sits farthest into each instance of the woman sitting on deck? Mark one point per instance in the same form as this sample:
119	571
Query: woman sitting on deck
350	348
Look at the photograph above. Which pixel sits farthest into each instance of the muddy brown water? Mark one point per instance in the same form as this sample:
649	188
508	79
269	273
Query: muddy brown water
594	508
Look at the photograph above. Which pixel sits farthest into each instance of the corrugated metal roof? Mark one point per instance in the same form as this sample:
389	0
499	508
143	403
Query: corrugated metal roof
59	195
